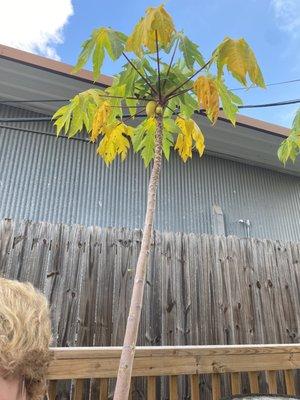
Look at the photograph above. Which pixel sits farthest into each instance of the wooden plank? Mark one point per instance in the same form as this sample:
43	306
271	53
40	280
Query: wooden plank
52	390
6	243
103	389
253	381
195	392
173	387
272	381
79	388
151	388
235	379
289	382
216	386
119	257
177	360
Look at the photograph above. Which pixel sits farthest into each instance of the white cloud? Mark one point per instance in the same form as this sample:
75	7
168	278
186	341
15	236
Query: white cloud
34	25
287	13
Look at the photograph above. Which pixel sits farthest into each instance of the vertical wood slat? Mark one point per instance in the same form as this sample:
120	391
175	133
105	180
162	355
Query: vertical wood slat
173	389
103	390
235	379
195	392
272	381
78	392
253	381
216	386
52	390
151	388
289	382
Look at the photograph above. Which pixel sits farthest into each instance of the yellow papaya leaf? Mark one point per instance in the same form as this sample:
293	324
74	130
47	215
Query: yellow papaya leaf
198	139
114	142
240	60
144	34
100	119
189	132
208	96
79	113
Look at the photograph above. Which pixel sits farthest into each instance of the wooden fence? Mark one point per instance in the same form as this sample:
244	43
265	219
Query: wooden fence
202	290
226	366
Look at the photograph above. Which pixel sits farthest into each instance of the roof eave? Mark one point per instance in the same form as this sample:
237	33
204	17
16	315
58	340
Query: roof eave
48	64
104	80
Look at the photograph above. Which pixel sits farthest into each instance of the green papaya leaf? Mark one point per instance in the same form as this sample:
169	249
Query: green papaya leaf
102	41
230	101
190	52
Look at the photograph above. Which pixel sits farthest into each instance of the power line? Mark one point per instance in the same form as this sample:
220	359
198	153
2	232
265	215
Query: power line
15	128
66	100
34	101
49	119
276	104
53	134
268	84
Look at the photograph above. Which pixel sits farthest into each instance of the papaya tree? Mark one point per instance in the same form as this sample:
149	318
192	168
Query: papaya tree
290	147
164	80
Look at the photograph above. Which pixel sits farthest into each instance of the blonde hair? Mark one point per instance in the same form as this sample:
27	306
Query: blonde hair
25	334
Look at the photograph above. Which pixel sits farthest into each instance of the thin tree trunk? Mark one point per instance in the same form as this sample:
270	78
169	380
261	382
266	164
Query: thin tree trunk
133	321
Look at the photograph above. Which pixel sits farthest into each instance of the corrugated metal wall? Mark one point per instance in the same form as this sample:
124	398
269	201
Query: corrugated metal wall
60	180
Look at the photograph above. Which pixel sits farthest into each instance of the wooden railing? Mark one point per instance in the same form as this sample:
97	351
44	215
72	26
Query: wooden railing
79	364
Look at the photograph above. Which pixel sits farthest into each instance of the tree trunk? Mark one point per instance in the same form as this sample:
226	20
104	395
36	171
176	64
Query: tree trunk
133	321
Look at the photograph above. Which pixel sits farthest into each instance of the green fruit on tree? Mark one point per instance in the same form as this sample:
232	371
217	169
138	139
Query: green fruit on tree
159	110
150	108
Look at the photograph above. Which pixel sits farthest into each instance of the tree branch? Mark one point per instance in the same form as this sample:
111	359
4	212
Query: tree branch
141	75
187	80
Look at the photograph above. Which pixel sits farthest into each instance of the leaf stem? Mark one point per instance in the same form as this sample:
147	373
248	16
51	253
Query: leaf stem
110	96
133	116
174	112
158	65
187	80
179	93
141	75
137	106
170	64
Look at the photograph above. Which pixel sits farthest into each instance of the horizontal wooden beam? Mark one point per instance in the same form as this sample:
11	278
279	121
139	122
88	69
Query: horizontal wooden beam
102	362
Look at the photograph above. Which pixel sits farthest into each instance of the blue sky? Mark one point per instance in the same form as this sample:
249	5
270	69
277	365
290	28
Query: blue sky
272	28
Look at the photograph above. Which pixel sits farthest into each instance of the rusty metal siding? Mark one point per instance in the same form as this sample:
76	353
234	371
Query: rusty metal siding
58	180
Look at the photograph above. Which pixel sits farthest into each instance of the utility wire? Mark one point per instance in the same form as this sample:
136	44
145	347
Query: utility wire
49	119
268	84
34	101
53	134
276	104
66	100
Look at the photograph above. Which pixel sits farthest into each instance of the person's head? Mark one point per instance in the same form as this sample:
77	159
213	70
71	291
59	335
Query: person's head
25	335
